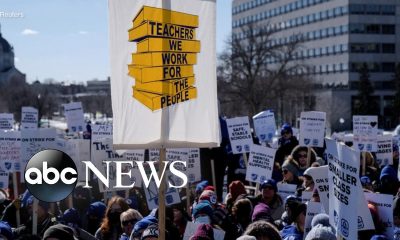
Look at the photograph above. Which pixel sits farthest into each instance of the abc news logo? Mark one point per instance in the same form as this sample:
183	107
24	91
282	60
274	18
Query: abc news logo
51	175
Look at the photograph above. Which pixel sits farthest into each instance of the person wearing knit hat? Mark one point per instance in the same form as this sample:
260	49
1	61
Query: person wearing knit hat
94	215
319	232
263	230
308	182
236	189
59	232
151	233
141	225
203	212
203	232
297	213
389	182
321	218
210	188
6	231
208	195
261	212
286	143
271	198
290	172
200	186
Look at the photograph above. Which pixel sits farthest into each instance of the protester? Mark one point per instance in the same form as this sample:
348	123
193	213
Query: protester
241	213
236	188
290	171
59	232
262	230
110	227
95	215
203	232
299	155
6	231
308	182
297	214
396	217
181	218
152	233
141	225
320	232
287	143
270	197
202	213
389	183
262	212
128	219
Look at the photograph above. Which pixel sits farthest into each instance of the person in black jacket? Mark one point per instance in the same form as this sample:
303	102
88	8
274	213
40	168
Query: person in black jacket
286	143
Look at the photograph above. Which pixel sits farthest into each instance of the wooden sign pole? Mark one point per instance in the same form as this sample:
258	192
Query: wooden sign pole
34	216
308	156
213	175
15	188
364	155
161	196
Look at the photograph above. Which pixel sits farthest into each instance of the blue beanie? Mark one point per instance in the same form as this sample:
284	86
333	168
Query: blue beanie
71	216
203	207
389	172
379	237
143	224
200	186
269	182
5	230
97	209
286	128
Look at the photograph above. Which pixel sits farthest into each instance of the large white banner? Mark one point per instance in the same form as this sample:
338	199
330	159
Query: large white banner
29	118
6	121
74	114
163	74
365	130
312	129
384	155
10	151
348	208
265	126
239	134
261	163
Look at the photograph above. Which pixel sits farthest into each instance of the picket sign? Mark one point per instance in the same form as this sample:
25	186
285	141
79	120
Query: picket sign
384	204
15	188
384	155
285	190
239	134
313	208
321	181
365	132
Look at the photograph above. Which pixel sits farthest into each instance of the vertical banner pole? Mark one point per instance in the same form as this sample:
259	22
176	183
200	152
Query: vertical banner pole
126	194
15	188
35	216
70	201
161	197
213	175
364	155
188	199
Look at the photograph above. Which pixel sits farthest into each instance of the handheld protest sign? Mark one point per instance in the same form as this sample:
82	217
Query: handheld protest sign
6	121
384	155
260	164
239	134
265	126
74	114
365	131
312	129
29	118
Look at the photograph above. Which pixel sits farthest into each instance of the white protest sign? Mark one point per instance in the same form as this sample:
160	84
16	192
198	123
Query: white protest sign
29	118
285	190
181	155
321	183
306	196
265	126
6	121
191	228
101	131
313	208
4	176
261	163
135	155
34	141
154	154
142	87
384	204
10	150
171	195
384	155
346	200
74	114
365	131
102	150
312	129
193	168
84	155
239	134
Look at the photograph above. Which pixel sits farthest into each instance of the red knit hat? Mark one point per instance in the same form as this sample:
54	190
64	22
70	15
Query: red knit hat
203	232
236	188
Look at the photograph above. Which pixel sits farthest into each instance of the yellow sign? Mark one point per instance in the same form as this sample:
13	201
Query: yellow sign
166	52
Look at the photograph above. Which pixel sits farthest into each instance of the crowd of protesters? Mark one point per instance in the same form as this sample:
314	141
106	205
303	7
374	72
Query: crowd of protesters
241	215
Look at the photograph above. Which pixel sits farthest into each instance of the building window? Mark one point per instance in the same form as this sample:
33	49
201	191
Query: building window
357	9
372	28
388	10
372	9
388	29
372	48
388	48
388	67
